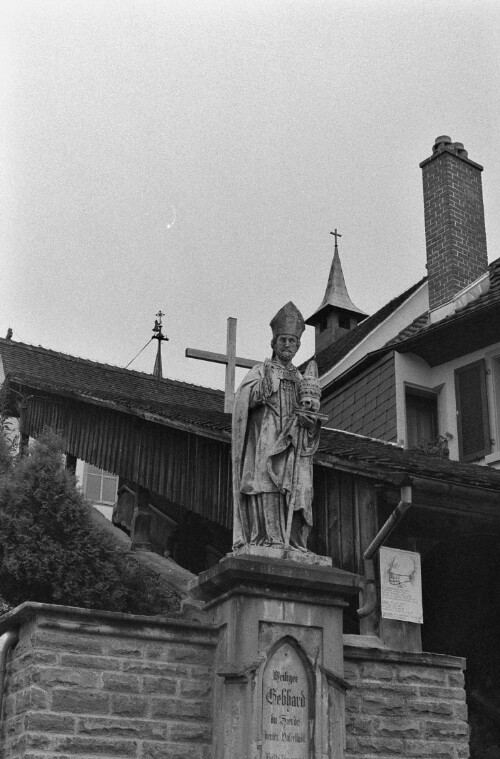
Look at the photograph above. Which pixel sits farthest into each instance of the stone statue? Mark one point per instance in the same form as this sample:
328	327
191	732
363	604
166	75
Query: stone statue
275	434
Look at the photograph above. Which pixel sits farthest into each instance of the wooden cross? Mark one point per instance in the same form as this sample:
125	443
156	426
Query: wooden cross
336	234
229	359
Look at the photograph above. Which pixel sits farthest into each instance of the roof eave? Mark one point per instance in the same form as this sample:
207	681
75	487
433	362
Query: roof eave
424	343
121	408
326	308
393	477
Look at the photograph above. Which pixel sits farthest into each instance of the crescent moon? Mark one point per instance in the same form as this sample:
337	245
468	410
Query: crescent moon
171	224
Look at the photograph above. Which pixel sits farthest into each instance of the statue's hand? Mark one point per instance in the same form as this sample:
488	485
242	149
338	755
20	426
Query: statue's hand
306	421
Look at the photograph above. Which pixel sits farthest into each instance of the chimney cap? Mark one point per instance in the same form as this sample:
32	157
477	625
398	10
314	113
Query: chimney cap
444	144
460	150
441	142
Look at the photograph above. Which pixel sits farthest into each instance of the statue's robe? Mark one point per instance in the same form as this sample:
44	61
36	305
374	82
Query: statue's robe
268	474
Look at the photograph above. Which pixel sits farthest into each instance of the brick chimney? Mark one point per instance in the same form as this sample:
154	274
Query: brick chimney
454	221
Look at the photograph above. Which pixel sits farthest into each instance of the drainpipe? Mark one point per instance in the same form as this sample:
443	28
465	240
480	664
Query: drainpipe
384	532
7	640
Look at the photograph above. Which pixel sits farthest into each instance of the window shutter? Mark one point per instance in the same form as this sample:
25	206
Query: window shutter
472	411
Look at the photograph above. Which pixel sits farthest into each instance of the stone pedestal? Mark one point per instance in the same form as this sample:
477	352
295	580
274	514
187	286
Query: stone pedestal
279	690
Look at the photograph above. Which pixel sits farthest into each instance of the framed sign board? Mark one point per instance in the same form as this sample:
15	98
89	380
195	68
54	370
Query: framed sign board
401	585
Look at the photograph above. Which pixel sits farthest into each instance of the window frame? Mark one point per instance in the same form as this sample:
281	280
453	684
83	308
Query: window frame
432	394
103	475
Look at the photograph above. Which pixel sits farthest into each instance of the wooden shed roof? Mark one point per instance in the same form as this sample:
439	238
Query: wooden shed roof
169	402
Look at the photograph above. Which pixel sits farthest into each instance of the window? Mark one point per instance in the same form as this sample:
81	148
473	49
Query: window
99	486
472	411
421	417
344	321
323	323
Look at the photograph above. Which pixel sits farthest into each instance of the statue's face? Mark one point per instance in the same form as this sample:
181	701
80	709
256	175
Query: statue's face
285	347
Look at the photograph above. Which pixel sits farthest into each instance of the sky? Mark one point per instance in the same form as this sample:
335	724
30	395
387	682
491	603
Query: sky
193	157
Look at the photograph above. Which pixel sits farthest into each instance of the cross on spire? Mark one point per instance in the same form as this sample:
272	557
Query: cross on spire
336	234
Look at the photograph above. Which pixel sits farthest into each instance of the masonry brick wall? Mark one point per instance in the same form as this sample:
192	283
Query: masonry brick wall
454	224
405	705
96	684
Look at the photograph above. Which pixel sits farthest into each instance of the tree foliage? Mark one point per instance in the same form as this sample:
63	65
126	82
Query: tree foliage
51	551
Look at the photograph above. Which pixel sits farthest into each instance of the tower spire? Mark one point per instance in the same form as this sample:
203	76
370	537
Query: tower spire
157	371
336	294
337	313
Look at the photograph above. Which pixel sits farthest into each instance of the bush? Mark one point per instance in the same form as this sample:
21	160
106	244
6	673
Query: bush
51	551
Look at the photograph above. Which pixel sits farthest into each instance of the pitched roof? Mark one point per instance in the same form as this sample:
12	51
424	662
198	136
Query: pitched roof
416	326
335	352
423	327
378	455
113	386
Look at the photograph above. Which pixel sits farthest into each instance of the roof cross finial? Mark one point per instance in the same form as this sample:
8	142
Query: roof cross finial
336	234
158	370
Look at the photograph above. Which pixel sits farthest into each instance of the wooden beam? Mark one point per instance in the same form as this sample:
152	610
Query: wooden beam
230	366
229	359
220	358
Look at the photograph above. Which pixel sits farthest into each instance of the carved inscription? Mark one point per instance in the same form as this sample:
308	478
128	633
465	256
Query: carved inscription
285	706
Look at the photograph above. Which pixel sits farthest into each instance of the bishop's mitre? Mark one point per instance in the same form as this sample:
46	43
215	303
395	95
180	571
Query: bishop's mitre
288	321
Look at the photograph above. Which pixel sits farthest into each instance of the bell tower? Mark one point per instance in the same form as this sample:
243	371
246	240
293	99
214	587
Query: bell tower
337	314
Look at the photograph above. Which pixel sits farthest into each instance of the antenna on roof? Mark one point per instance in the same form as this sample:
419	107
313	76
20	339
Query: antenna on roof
157	371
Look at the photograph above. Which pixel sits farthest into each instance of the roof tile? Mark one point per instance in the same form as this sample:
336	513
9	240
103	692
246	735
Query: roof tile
171	399
383	456
421	325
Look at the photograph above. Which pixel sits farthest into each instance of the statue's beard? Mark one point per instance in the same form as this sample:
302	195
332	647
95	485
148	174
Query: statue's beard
285	355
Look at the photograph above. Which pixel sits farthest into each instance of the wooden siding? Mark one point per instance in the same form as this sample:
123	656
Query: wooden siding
345	518
366	405
188	469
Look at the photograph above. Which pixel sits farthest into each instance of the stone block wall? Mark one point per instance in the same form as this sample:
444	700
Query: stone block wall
88	685
404	705
96	684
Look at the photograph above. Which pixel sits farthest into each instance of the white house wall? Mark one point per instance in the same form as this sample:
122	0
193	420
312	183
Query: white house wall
413	371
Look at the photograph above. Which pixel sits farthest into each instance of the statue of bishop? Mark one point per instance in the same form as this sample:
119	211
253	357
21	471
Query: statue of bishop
275	434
